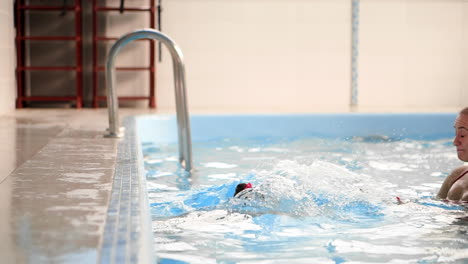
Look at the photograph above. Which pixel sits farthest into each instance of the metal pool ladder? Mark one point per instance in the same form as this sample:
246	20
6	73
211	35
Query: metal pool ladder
183	122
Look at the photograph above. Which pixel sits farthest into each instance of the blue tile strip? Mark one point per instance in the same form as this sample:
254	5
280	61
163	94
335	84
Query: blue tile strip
127	232
354	52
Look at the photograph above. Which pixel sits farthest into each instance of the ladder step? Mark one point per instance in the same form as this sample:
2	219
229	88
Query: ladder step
127	68
48	98
101	8
125	98
48	68
58	8
48	38
116	38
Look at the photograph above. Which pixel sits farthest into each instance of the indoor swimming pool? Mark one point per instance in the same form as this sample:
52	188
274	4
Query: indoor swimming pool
329	188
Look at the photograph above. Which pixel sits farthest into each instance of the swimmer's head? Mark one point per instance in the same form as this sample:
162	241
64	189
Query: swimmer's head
242	186
461	135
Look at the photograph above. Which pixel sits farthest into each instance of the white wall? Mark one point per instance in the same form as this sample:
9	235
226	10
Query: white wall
250	55
292	56
412	53
276	55
464	82
7	59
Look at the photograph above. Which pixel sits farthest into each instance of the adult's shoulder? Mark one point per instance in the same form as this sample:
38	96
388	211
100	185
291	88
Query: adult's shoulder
450	180
458	171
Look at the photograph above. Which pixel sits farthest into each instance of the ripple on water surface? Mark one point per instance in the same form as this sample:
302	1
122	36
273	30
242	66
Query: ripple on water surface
318	201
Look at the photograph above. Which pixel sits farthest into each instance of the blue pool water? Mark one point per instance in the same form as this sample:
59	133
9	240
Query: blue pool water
329	185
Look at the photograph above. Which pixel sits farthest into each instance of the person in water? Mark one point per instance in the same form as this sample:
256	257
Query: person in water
455	186
243	190
247	191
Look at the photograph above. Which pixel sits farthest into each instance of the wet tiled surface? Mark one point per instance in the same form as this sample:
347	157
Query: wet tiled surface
55	184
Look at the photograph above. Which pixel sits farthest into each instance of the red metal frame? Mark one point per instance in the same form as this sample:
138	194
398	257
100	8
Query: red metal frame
21	67
97	68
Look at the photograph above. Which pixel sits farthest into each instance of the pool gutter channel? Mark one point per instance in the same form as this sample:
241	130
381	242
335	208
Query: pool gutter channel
127	234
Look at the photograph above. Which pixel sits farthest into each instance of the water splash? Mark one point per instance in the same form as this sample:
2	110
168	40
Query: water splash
290	188
320	188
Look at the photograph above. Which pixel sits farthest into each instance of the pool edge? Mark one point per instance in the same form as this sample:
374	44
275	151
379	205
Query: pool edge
127	236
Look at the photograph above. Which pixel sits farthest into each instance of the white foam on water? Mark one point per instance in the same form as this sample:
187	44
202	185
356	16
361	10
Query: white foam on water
222	176
219	165
303	184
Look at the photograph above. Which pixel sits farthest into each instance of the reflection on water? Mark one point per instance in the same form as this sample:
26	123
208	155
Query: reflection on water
323	201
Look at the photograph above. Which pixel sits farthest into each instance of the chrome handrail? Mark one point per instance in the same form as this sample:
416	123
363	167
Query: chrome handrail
183	122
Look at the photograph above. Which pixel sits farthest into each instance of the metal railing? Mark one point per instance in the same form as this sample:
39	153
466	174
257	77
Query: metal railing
183	122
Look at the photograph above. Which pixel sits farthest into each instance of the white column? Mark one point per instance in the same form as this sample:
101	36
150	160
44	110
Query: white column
7	61
354	52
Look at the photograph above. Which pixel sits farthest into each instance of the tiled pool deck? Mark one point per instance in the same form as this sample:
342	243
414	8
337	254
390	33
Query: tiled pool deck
55	187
